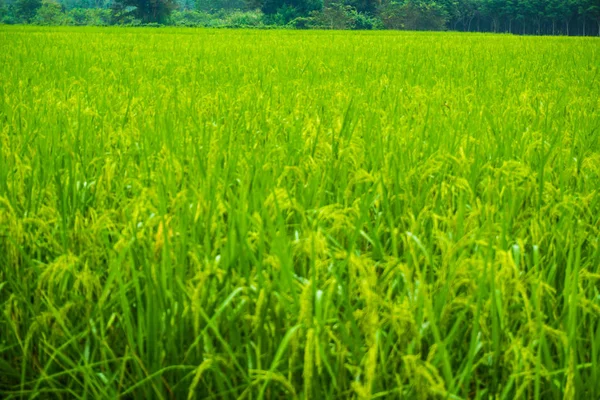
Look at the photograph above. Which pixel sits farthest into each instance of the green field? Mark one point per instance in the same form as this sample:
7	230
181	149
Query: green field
286	214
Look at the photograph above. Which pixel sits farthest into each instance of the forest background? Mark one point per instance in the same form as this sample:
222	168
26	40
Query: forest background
530	17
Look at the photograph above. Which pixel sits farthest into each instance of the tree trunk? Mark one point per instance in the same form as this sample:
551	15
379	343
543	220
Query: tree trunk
583	26
567	26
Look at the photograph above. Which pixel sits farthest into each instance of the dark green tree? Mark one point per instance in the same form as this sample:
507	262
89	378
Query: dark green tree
3	10
538	12
413	15
302	7
334	16
219	5
509	13
26	9
568	13
364	6
555	10
467	11
451	9
590	9
493	10
50	13
146	11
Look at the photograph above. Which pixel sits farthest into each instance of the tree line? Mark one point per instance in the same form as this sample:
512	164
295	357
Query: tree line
535	17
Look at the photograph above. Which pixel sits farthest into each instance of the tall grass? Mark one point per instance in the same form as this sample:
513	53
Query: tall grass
311	215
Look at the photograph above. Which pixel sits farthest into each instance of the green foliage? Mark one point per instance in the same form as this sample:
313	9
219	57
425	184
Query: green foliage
393	15
300	23
4	12
466	11
302	7
552	17
26	9
229	19
215	6
77	16
334	16
146	11
216	214
337	16
241	19
364	21
284	15
50	13
413	15
364	6
89	16
193	18
591	9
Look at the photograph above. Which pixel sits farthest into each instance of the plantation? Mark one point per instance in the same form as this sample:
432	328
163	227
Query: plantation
313	215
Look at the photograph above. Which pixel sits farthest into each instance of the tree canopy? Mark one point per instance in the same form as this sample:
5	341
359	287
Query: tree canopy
537	17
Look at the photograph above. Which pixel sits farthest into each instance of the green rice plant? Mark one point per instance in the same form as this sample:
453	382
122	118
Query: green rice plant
298	214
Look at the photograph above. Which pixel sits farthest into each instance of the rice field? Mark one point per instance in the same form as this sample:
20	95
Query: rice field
216	214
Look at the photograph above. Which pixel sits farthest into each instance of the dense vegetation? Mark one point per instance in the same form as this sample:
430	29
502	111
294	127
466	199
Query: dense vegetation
539	17
287	214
